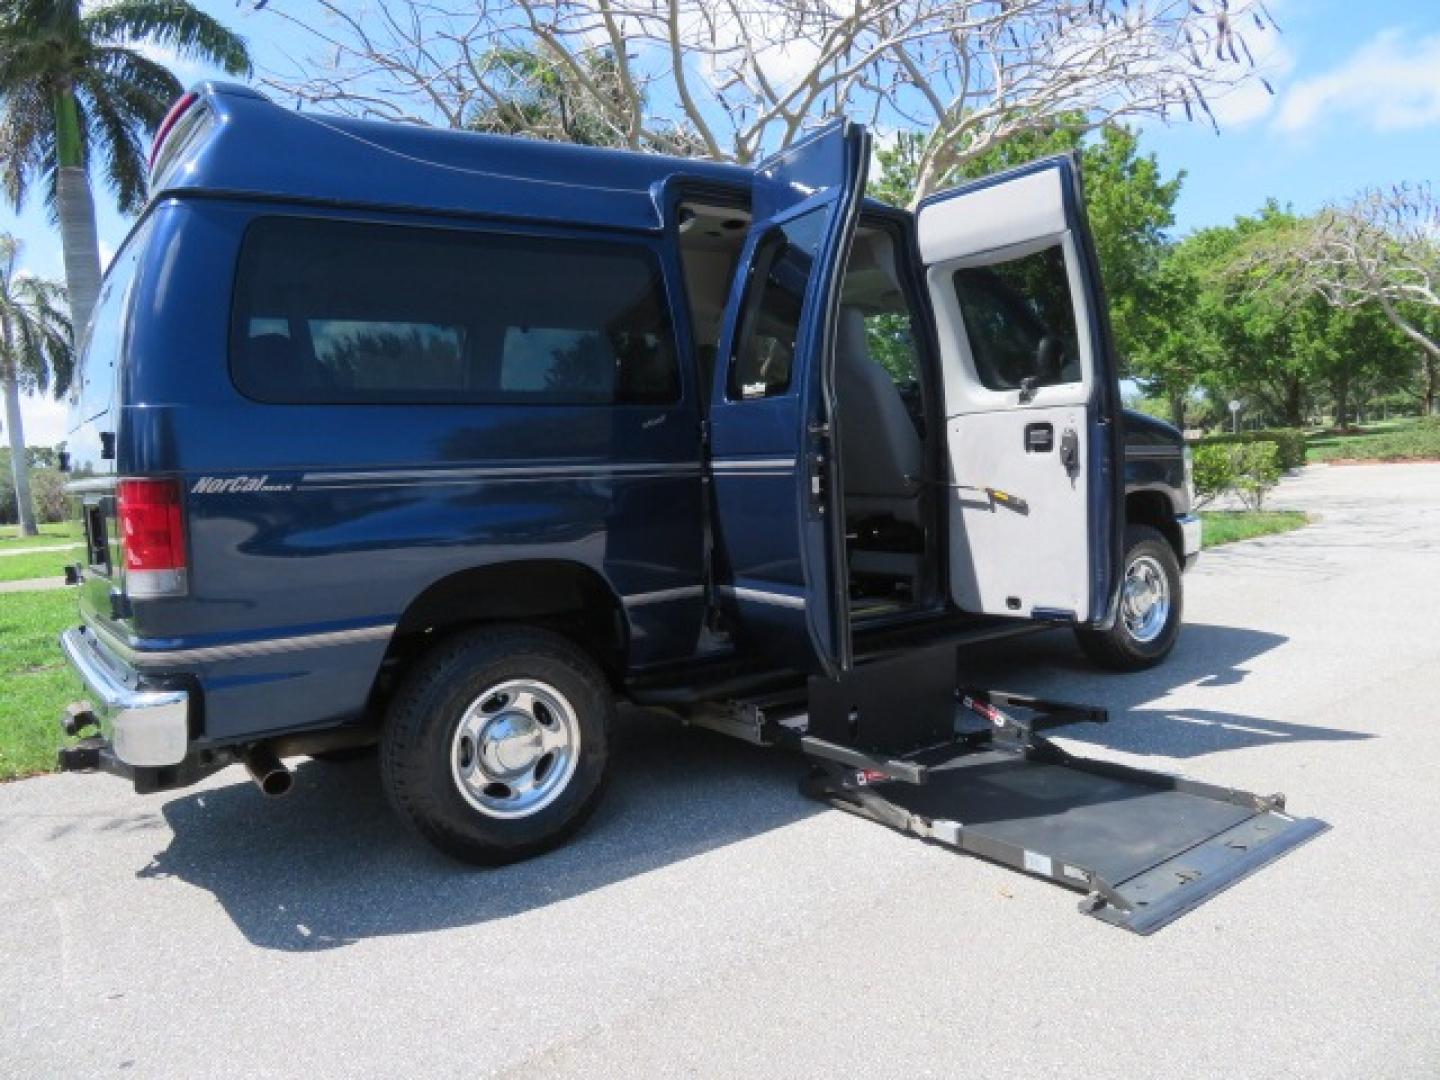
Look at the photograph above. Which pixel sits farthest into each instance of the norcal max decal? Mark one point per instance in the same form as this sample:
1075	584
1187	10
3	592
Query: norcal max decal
225	485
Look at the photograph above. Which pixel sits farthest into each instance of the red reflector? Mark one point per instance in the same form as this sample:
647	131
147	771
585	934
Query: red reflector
176	111
151	528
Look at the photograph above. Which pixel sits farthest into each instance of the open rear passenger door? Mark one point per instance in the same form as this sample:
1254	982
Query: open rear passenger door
1031	396
779	540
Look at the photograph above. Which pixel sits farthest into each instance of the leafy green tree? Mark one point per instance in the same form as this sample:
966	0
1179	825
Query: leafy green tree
1173	345
35	354
1250	334
1358	354
76	91
47	490
1251	345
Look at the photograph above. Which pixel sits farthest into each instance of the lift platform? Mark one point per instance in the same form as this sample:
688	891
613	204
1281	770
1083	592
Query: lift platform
905	742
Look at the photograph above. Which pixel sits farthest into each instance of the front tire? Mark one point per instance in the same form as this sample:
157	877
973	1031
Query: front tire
496	744
1151	599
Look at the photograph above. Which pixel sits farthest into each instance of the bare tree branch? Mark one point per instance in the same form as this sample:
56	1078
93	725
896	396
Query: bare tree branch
1381	247
737	79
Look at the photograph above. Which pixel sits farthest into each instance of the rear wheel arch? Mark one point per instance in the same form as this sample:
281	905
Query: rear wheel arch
567	597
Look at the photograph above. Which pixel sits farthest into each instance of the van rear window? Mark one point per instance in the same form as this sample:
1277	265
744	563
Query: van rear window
346	312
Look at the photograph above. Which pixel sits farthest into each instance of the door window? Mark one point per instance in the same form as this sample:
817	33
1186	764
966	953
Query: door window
1020	320
765	347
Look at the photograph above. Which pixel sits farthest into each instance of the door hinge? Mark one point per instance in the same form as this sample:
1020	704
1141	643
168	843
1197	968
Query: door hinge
819	483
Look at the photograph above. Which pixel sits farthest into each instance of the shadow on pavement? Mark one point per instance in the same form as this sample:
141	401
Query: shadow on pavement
331	864
1206	657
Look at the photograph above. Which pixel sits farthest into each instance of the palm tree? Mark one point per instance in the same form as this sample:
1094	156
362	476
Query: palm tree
35	354
74	87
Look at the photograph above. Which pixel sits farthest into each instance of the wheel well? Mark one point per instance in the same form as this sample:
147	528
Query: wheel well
566	597
1153	508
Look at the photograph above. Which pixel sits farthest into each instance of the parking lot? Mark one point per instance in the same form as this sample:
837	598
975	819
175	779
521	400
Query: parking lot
712	921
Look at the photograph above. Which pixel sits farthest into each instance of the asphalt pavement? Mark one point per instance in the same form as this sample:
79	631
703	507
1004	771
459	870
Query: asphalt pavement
712	922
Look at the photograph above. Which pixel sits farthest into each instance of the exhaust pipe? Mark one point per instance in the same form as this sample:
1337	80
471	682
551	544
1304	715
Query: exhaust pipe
268	771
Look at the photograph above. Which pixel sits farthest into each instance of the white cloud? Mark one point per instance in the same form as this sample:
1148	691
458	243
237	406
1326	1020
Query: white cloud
1391	83
1250	101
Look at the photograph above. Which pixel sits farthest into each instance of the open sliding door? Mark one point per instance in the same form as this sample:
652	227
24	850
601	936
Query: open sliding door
1031	396
779	540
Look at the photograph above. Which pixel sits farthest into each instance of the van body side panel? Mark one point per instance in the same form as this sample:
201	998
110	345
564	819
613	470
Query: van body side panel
311	527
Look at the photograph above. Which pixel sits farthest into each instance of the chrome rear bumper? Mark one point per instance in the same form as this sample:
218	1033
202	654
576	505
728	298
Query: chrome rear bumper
147	728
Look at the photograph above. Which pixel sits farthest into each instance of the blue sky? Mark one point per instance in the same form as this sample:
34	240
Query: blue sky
1357	103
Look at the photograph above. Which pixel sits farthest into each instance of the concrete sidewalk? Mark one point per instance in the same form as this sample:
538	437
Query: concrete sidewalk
32	585
39	550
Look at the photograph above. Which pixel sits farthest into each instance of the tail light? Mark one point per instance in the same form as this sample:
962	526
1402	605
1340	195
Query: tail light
167	125
152	535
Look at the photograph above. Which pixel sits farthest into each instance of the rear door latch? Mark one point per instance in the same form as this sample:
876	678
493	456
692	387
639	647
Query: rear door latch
1070	452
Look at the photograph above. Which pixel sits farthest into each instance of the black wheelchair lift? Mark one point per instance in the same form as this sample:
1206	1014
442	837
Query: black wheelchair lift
907	743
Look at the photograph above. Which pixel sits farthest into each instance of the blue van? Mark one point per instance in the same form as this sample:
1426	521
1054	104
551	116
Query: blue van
447	443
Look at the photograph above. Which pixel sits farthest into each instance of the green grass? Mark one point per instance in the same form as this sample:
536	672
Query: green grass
39	564
50	535
1227	526
1397	440
35	681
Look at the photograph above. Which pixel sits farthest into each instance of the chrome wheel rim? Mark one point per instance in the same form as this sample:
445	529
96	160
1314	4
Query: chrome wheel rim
1145	599
515	748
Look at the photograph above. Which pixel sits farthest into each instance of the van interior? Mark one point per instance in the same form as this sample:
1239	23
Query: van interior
880	397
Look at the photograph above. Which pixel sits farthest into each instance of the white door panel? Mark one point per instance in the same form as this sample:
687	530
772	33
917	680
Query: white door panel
1003	561
1014	212
1010	272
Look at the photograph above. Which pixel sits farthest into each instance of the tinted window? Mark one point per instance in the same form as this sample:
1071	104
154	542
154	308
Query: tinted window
341	312
102	340
765	352
1020	320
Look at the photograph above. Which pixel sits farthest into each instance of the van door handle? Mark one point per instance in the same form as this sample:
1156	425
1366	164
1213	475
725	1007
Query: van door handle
1039	438
1070	452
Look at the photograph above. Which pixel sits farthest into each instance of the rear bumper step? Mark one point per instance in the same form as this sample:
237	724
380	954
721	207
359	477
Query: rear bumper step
96	754
149	727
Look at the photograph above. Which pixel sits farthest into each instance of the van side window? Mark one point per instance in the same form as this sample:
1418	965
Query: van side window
351	313
1020	319
765	345
101	342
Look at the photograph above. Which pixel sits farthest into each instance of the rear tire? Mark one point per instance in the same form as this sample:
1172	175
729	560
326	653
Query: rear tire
1148	622
496	744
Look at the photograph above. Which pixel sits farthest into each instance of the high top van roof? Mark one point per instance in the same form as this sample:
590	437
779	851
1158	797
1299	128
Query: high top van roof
252	147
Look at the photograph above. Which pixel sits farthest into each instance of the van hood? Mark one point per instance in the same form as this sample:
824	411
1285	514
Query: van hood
1144	430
